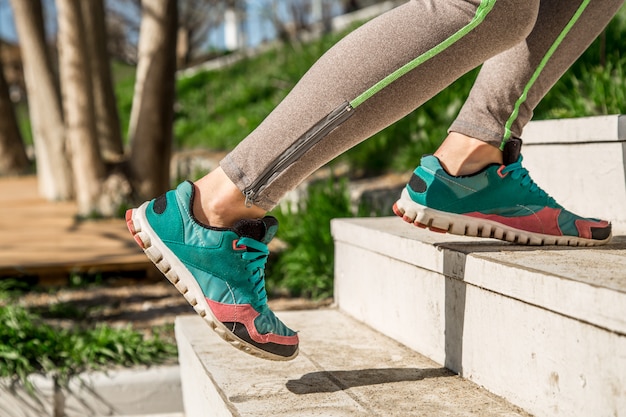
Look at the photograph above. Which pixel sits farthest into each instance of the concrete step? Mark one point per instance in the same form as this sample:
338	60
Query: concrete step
344	369
155	415
139	391
543	327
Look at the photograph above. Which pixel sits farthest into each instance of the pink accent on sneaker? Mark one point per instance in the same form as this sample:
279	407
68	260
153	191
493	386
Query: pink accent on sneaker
129	221
131	228
237	247
584	227
245	314
545	221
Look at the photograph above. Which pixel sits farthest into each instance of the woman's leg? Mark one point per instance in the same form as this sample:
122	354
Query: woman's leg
511	84
503	202
413	52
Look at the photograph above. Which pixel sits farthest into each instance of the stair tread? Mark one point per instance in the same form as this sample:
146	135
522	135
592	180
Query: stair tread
344	369
585	283
608	262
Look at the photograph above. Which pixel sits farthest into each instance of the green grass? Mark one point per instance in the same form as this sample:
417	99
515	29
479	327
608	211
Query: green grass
29	344
23	121
596	83
217	109
124	87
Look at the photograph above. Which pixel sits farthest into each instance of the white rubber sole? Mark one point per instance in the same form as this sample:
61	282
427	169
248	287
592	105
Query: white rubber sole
178	274
458	224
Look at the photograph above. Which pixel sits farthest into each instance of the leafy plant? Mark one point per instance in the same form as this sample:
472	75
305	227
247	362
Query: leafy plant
124	79
600	89
306	268
30	345
218	108
596	82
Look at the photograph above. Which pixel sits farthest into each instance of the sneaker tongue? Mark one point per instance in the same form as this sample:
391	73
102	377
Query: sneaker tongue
262	230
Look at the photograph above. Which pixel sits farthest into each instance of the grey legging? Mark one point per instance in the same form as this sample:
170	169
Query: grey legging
393	64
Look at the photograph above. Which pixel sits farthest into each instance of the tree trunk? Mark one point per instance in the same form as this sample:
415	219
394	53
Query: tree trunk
78	106
107	118
13	159
183	48
152	113
53	168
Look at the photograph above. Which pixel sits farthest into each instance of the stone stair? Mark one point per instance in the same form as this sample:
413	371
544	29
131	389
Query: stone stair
344	369
542	327
428	324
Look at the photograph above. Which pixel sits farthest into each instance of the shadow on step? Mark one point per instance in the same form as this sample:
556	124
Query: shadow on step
333	381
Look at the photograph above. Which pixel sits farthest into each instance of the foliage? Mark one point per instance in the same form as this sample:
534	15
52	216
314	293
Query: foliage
602	90
30	345
306	268
23	120
124	84
596	83
217	109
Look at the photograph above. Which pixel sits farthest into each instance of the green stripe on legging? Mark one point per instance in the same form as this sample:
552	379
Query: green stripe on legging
481	12
542	64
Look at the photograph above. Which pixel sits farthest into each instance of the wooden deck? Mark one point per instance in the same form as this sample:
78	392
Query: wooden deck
38	237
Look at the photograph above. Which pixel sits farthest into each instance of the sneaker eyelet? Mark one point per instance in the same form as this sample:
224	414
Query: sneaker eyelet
237	247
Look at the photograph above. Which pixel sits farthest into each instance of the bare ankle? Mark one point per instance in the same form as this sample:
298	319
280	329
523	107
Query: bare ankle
219	203
463	155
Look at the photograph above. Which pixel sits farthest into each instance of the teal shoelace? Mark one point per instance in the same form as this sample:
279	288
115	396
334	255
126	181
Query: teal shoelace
518	172
256	255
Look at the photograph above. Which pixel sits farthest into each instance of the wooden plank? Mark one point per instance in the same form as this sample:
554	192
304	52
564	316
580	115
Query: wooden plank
42	237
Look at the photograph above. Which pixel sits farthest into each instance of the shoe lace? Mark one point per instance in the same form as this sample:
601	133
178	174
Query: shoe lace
256	255
518	172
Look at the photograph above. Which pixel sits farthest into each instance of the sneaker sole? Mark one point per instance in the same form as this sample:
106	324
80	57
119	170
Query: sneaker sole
178	274
458	224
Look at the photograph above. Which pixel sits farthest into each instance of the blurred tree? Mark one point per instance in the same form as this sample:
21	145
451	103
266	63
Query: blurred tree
53	168
123	18
13	159
195	19
106	116
104	178
78	105
152	114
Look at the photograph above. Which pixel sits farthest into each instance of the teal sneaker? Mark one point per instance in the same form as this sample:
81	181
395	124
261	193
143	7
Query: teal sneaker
220	271
500	201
